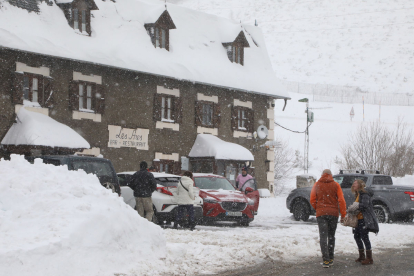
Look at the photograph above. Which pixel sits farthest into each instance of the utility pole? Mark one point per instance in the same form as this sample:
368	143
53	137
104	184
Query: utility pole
309	119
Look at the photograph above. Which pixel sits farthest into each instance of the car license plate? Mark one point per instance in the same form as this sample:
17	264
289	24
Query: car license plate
234	214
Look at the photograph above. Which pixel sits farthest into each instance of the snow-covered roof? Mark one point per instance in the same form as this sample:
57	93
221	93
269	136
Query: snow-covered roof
35	129
119	39
207	145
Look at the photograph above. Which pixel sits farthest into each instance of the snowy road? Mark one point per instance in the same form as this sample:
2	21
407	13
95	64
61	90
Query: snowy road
273	236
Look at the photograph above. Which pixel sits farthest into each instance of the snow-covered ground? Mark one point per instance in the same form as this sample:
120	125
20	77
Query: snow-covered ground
368	44
57	222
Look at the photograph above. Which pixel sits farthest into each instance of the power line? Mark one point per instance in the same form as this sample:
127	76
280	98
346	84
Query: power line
294	130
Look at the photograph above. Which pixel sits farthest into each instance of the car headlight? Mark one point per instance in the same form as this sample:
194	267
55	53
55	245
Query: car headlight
210	200
250	202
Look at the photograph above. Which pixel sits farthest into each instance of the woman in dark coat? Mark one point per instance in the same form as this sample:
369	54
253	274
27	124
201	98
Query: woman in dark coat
367	221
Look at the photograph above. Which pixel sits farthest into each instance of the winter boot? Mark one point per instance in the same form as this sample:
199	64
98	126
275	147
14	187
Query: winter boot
361	255
175	225
368	260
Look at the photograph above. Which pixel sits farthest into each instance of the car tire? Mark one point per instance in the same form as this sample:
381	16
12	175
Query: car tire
382	213
244	224
300	210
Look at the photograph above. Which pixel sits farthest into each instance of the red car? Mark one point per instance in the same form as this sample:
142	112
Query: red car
222	202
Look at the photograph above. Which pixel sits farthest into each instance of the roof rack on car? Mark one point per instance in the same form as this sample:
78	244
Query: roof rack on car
362	171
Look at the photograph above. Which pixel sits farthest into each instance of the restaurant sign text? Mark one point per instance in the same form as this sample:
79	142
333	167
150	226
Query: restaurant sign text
127	137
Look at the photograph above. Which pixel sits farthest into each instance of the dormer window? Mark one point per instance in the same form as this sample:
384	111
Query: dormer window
159	31
235	49
78	14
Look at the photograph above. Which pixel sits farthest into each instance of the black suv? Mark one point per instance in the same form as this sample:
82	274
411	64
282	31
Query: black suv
101	167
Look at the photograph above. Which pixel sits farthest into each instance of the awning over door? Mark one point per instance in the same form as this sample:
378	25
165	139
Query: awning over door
207	145
35	129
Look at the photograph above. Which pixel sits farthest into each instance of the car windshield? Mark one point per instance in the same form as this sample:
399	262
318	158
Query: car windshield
101	169
167	181
213	183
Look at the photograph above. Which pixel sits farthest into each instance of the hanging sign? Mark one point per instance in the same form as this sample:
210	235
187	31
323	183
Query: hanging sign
127	137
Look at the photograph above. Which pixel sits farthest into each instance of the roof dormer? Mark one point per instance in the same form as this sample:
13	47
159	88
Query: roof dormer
160	31
78	13
235	49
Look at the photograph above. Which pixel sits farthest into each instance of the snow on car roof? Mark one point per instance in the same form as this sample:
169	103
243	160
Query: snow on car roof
119	39
206	174
156	174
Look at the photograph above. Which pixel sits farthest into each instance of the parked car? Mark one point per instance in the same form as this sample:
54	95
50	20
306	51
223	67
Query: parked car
390	202
101	167
222	202
163	199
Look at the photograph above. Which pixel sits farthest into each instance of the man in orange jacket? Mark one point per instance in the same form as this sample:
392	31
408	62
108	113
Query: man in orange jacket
328	200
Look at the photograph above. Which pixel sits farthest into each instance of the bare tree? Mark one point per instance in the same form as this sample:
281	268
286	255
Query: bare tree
286	162
374	146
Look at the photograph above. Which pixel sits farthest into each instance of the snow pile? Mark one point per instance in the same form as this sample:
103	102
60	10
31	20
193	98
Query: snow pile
59	222
207	145
408	180
32	128
120	39
341	42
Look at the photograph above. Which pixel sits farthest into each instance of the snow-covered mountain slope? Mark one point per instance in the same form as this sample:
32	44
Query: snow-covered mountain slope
367	43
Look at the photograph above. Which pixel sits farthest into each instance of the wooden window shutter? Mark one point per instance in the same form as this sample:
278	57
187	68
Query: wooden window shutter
178	110
48	94
88	21
234	117
198	113
242	56
17	93
157	107
216	115
99	98
74	95
250	120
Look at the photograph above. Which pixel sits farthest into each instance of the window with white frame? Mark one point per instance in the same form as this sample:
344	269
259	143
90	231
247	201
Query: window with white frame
85	96
166	108
242	119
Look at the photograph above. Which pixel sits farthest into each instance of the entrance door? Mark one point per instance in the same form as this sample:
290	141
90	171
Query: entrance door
231	174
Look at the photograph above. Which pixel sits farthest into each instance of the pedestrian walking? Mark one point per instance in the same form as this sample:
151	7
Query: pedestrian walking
185	199
326	196
242	178
143	184
367	221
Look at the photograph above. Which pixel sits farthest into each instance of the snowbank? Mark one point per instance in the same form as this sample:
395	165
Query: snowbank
59	222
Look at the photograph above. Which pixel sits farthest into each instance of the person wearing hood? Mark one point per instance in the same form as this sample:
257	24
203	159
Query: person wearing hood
185	199
325	197
367	221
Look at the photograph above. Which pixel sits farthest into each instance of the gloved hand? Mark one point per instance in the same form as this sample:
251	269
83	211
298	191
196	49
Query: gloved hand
353	207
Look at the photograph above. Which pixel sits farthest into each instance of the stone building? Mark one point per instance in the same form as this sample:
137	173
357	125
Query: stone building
137	80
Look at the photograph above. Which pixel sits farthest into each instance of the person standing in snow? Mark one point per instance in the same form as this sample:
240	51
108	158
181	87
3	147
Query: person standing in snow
367	221
185	199
143	184
325	197
242	178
